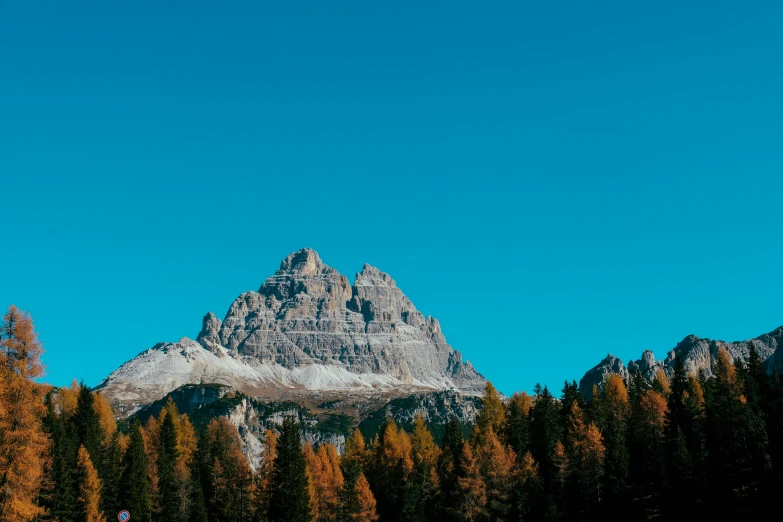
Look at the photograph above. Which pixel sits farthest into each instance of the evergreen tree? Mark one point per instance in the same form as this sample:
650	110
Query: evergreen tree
135	482
517	430
88	427
736	436
196	506
113	475
61	499
289	500
168	454
545	431
449	468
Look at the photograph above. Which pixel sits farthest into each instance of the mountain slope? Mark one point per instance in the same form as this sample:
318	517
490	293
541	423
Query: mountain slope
305	330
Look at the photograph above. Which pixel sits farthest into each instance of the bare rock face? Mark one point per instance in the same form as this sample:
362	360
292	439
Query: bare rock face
598	373
308	313
306	328
698	356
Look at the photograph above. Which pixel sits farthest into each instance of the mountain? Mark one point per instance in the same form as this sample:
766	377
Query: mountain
307	331
697	355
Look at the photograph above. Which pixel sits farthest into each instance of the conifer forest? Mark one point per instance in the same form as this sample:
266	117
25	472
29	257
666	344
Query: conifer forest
682	445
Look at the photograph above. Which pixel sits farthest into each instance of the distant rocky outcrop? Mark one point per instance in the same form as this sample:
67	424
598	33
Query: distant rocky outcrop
306	328
698	356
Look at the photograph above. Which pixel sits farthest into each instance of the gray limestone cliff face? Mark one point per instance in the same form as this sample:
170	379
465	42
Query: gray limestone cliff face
698	355
597	374
308	313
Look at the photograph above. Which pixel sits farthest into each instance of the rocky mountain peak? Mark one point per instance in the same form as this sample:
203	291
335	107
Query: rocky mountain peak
308	328
371	276
305	261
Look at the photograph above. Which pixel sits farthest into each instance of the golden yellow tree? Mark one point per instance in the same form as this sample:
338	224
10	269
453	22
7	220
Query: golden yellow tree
523	401
264	473
356	451
472	491
151	434
561	465
496	461
313	472
325	479
65	399
492	414
365	501
105	415
24	446
661	383
396	448
615	398
591	465
89	489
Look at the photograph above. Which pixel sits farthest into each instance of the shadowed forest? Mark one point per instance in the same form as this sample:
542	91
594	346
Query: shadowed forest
679	446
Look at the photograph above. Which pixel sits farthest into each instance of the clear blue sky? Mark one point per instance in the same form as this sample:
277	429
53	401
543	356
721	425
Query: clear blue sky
552	180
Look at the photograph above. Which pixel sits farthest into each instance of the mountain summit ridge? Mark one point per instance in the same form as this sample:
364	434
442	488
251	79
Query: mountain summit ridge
698	355
306	328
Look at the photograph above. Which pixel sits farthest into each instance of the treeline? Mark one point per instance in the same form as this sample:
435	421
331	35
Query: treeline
637	450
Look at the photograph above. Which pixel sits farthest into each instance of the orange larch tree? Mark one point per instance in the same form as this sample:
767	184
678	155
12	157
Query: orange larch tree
24	447
89	489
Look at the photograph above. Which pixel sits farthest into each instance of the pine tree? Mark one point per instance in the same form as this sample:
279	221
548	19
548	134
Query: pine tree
135	481
89	499
113	473
289	500
196	505
88	426
168	481
570	395
545	431
24	446
449	468
517	430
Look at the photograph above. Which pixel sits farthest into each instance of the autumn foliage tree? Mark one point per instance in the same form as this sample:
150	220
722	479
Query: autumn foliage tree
89	498
24	446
